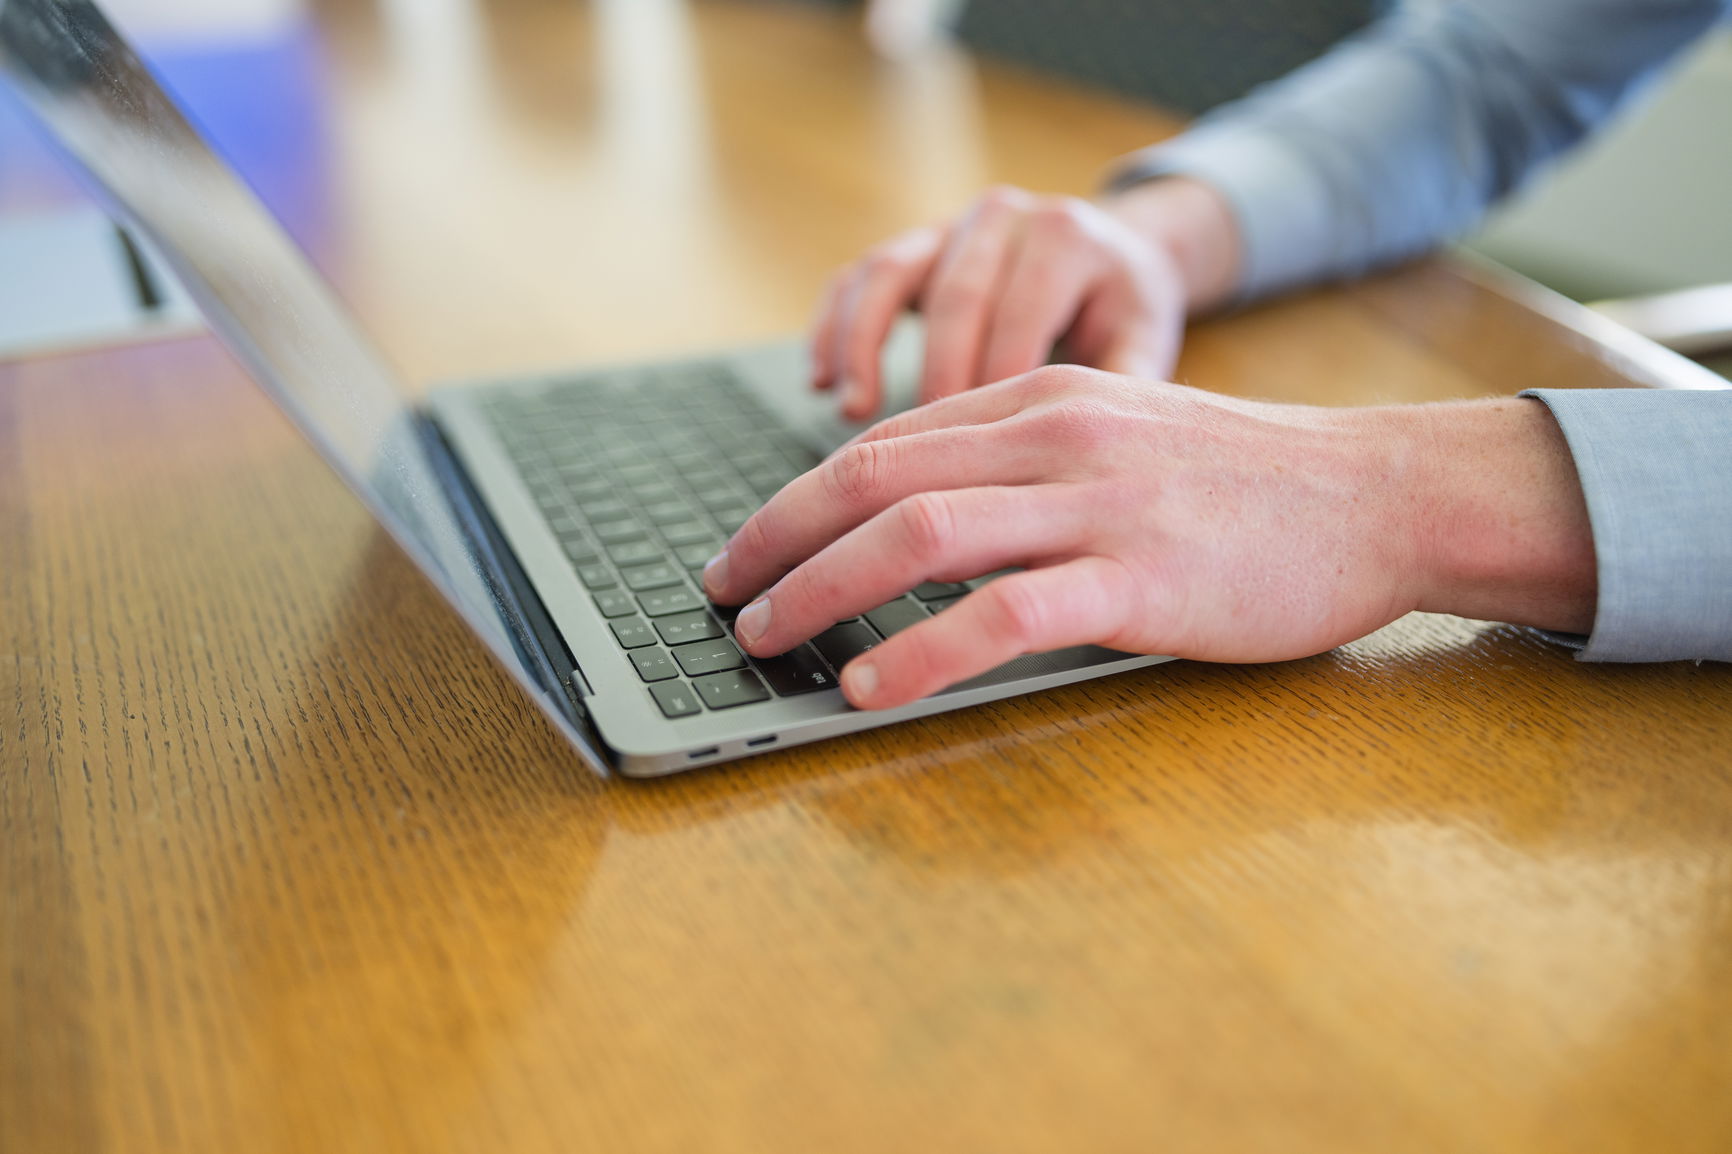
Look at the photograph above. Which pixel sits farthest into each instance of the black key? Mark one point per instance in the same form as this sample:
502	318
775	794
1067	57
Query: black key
716	497
795	672
943	603
614	603
698	555
654	664
579	551
654	493
895	616
685	627
589	489
722	690
633	632
673	599
676	699
668	512
842	643
933	590
646	577
686	532
595	576
604	508
613	532
708	657
731	517
635	552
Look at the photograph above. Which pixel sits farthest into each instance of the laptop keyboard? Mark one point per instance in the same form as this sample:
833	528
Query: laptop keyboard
643	475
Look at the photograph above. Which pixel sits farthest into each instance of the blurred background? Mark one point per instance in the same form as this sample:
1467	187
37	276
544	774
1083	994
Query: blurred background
1636	216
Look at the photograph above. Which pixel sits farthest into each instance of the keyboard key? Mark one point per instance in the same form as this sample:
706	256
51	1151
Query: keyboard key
579	552
647	577
708	657
724	690
614	603
795	672
840	644
604	508
686	532
731	517
668	512
613	532
714	496
943	603
933	590
894	616
654	664
676	699
595	576
635	552
697	556
674	599
633	632
654	493
686	627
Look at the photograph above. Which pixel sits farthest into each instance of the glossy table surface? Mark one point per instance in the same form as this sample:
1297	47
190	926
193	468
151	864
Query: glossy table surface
286	865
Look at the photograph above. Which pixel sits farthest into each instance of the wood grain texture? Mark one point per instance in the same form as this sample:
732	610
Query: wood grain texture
285	865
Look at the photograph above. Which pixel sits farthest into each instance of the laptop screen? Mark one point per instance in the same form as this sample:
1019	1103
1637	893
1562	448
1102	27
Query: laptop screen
257	290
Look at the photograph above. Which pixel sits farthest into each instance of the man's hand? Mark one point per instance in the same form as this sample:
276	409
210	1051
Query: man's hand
1159	519
1016	275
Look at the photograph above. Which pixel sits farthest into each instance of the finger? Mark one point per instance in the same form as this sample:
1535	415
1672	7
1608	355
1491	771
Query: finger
824	333
853	486
886	282
931	536
975	407
1087	601
1121	338
959	300
1043	290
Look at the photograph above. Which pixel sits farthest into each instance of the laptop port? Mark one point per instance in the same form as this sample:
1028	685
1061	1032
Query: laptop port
757	741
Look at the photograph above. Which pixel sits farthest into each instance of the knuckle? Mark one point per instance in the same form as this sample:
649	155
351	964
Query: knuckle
1013	613
1052	382
858	472
1082	423
927	524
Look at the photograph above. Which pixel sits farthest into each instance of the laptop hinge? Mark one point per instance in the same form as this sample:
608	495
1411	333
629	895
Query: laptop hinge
536	638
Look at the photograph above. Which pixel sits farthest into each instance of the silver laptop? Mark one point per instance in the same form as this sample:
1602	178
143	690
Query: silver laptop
564	516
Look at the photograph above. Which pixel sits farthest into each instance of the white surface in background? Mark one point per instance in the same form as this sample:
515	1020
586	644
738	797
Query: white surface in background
65	281
192	22
1642	210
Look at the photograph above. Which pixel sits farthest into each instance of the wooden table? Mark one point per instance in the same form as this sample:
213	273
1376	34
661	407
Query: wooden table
285	864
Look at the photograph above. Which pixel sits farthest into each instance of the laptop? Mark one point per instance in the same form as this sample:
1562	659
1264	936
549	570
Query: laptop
565	516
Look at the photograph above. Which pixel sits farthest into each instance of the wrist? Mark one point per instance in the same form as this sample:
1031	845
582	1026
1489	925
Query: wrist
1500	527
1194	226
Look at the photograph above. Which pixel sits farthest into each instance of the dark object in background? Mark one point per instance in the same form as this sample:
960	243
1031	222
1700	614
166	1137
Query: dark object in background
1188	55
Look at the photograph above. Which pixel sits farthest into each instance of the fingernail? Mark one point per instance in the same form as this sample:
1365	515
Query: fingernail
753	620
853	395
716	573
859	679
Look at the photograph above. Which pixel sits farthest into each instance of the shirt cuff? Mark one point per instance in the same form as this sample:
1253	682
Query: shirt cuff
1279	201
1656	470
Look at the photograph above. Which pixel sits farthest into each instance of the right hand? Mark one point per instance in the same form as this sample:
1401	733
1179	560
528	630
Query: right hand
1014	276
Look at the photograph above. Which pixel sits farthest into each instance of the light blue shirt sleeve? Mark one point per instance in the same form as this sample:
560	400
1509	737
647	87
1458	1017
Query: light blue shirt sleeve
1656	469
1402	137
